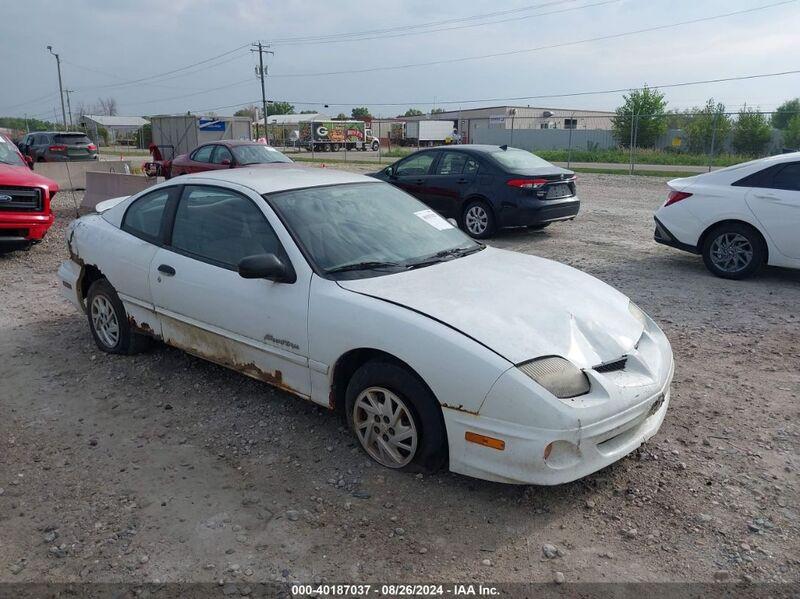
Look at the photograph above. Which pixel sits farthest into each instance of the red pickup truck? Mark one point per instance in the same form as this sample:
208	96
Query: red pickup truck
25	214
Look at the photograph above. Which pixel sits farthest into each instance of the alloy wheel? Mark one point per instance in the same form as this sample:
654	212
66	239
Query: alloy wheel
104	320
385	427
476	219
731	252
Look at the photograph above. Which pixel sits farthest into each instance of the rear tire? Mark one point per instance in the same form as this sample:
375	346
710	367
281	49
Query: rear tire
734	251
108	321
395	418
478	220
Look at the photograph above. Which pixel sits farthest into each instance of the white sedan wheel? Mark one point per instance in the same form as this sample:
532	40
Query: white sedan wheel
385	427
104	320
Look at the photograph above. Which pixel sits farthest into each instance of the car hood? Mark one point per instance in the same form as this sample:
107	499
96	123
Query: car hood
520	306
24	177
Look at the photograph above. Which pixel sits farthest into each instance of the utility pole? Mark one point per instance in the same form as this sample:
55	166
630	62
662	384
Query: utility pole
60	86
262	73
69	108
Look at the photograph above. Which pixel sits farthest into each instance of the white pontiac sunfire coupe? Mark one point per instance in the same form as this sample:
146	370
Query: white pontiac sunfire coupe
346	291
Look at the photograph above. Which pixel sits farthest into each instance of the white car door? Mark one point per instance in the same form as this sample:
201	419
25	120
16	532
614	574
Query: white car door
776	205
125	254
256	326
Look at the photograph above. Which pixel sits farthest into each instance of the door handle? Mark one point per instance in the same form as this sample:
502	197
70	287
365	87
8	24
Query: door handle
166	269
462	181
419	181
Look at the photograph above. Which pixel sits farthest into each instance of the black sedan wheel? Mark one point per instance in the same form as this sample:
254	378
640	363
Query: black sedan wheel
479	220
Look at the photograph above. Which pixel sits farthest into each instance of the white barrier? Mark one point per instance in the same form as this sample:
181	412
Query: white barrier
72	175
104	186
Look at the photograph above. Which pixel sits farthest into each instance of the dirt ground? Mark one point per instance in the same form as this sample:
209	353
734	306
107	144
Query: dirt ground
162	467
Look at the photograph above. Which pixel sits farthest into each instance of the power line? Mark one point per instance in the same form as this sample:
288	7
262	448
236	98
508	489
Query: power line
34	101
312	38
458	27
538	48
536	97
159	75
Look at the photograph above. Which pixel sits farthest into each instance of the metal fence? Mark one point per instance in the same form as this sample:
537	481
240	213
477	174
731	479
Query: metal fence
679	141
700	140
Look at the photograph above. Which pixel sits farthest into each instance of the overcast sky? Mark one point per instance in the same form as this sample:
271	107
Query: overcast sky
107	44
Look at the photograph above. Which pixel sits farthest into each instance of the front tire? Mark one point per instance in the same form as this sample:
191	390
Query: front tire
734	251
108	321
395	417
479	220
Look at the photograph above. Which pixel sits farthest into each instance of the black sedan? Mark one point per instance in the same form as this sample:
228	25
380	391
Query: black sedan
485	188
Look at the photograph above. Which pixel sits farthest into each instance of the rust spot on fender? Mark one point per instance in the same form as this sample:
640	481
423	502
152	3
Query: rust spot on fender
143	327
459	408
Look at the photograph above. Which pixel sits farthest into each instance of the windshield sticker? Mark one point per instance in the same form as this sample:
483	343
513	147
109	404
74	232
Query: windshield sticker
433	219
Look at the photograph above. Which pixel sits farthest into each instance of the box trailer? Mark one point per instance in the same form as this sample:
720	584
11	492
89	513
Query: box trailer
180	134
427	133
331	136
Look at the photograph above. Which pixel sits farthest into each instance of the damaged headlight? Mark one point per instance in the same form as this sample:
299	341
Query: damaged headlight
558	375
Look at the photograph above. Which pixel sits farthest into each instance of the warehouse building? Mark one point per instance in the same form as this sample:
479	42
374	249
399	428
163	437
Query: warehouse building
471	121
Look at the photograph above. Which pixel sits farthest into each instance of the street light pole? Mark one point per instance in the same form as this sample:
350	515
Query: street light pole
60	86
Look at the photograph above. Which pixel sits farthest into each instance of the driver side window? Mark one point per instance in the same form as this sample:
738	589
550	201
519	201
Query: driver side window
220	226
203	154
415	165
221	154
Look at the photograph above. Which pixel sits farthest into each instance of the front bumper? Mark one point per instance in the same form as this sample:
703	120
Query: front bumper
24	227
578	452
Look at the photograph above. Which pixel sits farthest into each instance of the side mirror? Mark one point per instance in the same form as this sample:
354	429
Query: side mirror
28	161
266	266
389	172
226	162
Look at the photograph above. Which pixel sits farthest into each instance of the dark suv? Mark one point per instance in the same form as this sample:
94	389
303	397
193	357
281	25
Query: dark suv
486	187
55	146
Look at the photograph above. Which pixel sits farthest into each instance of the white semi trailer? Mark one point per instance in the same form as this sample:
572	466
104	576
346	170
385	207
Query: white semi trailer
427	133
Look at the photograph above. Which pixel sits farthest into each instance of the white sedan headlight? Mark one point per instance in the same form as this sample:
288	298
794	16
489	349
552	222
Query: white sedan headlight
558	375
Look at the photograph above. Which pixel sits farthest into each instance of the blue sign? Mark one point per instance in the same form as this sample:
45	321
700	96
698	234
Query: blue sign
211	125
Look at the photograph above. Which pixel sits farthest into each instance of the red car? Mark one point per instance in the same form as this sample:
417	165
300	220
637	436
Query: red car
25	214
214	156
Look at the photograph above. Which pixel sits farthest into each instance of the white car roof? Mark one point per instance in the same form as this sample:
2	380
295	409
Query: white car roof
278	177
728	175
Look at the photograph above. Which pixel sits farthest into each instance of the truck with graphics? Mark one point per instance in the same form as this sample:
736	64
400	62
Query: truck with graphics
332	136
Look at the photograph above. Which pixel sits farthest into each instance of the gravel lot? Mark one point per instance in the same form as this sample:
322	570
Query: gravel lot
163	467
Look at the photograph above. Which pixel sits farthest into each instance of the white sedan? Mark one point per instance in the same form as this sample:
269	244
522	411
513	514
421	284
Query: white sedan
348	292
738	218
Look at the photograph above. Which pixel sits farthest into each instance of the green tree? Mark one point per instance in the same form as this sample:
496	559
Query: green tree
707	124
437	110
249	111
413	112
642	112
785	113
341	117
791	135
751	132
361	112
308	112
280	108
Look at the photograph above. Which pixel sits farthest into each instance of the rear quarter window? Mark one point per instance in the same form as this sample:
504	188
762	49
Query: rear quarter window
145	215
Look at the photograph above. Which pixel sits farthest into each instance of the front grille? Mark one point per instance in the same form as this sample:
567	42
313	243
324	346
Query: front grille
20	198
612	366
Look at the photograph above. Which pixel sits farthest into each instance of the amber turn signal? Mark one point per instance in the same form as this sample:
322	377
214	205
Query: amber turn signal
485	441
